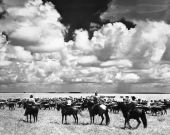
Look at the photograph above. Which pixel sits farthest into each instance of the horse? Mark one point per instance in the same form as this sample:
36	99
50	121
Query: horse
68	110
31	109
136	113
95	109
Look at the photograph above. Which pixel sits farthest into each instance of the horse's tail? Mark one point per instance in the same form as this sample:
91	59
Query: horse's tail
107	117
143	118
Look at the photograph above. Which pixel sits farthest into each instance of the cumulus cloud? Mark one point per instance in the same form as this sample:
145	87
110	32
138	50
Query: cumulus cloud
160	72
118	63
18	53
88	61
127	77
82	41
141	46
38	27
37	52
3	48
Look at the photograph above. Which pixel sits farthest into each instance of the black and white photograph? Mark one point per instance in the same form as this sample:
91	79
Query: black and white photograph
84	67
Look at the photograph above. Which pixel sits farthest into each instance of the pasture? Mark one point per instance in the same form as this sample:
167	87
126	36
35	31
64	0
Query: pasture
13	122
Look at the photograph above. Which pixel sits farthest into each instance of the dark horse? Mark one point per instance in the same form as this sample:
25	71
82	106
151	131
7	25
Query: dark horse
95	109
31	110
135	113
68	110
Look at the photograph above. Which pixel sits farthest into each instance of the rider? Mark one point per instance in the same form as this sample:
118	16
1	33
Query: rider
96	98
132	104
31	100
69	102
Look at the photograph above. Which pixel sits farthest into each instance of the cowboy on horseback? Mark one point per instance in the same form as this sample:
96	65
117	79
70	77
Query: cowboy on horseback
31	102
132	104
68	102
96	98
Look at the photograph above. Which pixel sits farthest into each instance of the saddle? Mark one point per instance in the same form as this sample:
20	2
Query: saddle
31	105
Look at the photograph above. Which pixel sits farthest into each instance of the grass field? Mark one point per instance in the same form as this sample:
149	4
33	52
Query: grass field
49	123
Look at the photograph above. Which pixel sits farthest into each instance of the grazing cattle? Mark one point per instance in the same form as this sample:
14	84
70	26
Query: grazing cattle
19	104
155	110
114	107
2	105
167	103
147	109
53	105
46	106
11	105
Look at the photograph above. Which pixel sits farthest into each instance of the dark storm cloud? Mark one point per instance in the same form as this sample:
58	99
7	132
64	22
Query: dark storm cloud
138	9
80	13
3	11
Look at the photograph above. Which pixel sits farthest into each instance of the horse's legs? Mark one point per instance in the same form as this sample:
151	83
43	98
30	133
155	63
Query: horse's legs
62	118
74	118
127	122
77	118
34	117
165	112
138	120
162	111
66	119
93	119
129	126
30	118
27	118
90	119
124	124
102	119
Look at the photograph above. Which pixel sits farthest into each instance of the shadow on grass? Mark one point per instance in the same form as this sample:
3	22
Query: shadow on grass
54	122
25	121
85	123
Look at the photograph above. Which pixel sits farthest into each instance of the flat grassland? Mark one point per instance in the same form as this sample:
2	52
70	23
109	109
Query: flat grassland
49	123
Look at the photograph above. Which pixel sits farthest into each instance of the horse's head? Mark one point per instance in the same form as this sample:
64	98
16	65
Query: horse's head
58	106
121	105
24	105
86	104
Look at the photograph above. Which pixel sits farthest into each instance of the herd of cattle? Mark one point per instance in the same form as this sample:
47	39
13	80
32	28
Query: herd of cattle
155	107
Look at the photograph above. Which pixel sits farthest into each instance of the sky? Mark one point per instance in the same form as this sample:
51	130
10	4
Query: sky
101	48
